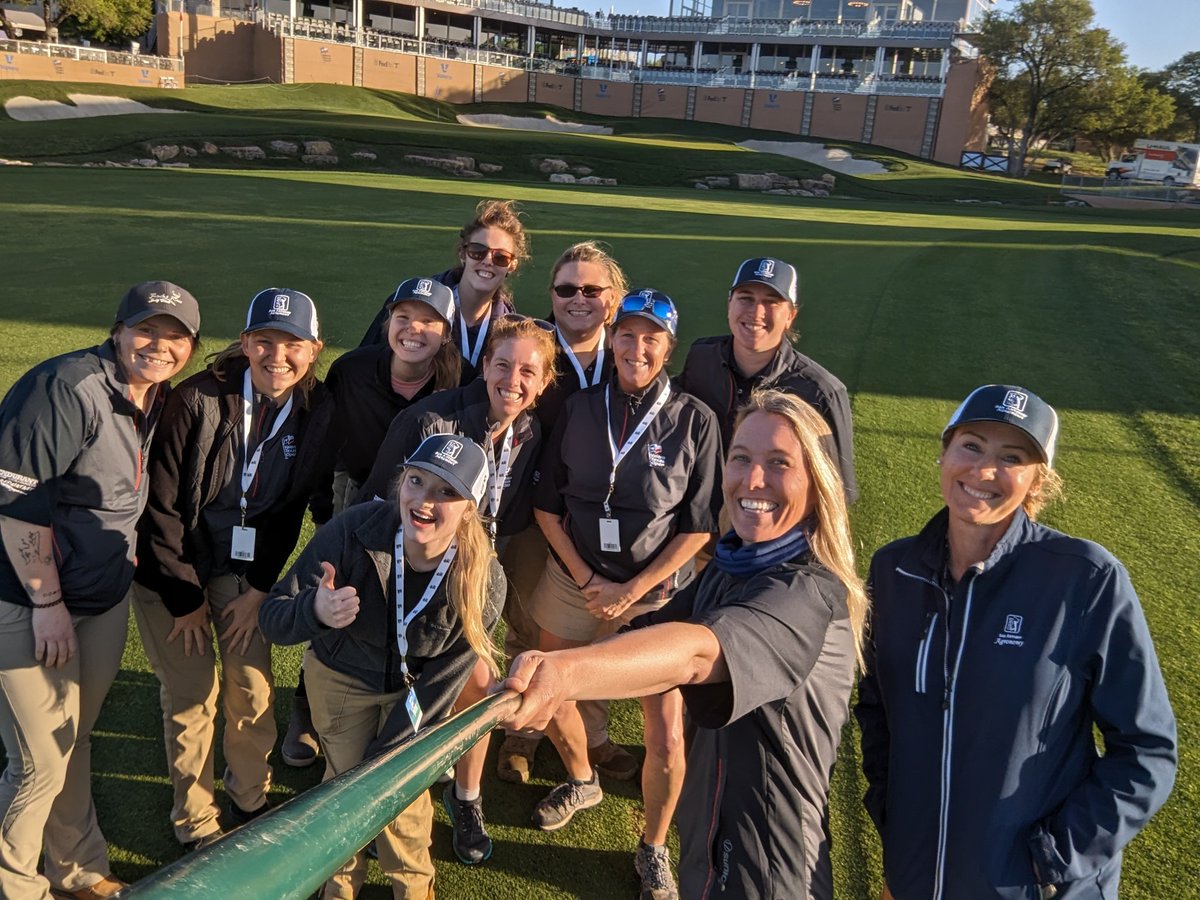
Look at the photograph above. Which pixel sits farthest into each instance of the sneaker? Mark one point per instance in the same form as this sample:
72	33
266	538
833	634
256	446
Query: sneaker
471	842
515	764
613	760
653	865
201	842
556	809
300	747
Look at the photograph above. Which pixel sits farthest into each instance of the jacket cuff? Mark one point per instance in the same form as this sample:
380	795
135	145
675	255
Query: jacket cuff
1048	865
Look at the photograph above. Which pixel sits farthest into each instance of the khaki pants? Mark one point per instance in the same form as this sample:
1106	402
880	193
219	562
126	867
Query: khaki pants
523	560
188	687
348	717
46	721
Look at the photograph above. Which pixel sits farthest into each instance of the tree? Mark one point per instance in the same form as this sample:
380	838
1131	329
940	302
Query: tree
1183	83
104	21
1046	55
1122	109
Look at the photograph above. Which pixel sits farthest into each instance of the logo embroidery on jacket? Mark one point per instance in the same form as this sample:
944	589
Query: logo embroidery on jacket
1011	635
654	453
289	446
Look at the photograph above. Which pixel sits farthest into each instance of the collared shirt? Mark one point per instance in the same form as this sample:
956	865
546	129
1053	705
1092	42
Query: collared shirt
668	484
711	374
460	411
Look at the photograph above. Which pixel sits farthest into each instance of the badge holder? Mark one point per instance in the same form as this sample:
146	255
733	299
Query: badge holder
243	539
610	529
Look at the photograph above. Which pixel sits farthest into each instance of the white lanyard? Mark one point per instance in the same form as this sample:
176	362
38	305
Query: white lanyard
497	474
617	456
472	356
250	461
579	370
402	620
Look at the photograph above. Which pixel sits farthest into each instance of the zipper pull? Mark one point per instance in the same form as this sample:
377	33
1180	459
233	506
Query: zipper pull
946	696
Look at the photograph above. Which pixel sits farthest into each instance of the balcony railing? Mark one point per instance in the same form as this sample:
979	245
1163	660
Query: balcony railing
324	30
91	54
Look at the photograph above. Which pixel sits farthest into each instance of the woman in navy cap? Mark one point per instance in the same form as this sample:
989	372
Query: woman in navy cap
369	387
758	353
495	410
998	647
74	433
628	494
231	471
490	248
392	646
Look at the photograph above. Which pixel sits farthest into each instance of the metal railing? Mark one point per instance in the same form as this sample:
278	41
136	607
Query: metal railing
1128	190
292	850
91	54
337	32
766	28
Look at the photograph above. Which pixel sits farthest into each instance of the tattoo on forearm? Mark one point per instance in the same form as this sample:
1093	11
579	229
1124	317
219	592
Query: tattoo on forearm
30	549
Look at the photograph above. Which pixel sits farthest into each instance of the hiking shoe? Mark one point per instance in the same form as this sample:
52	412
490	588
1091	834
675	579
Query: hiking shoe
653	865
300	747
613	760
515	764
556	809
471	842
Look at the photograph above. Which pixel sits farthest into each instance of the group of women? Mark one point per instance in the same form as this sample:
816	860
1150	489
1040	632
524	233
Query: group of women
468	463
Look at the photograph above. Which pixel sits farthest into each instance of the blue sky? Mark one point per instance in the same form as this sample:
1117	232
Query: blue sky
1154	32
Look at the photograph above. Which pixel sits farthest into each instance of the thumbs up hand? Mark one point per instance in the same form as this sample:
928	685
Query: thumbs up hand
334	606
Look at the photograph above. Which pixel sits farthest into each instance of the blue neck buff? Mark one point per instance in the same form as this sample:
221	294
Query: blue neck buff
737	558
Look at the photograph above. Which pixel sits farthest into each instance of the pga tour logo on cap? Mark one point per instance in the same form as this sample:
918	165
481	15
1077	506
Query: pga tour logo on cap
281	305
766	268
449	453
171	299
424	288
648	296
1013	404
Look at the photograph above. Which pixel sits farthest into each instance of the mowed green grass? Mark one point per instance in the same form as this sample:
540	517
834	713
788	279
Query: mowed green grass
910	304
644	152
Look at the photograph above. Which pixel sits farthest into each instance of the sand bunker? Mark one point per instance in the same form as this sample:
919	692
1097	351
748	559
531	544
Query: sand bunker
29	109
829	157
532	124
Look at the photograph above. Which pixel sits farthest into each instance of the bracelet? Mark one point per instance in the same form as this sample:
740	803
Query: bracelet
46	605
589	581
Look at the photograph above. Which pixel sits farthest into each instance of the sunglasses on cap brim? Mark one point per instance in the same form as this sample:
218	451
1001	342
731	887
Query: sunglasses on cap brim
480	252
519	317
567	291
659	308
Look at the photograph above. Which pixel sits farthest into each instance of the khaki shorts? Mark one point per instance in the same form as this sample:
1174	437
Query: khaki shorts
559	607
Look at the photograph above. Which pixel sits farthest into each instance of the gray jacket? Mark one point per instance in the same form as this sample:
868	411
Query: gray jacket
72	458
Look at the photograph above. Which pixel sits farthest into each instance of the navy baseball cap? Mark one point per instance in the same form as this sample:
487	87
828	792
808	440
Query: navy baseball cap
426	290
285	310
779	276
1014	406
650	304
458	460
159	298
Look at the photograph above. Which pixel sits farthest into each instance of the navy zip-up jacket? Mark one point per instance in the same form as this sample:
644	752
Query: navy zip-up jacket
977	715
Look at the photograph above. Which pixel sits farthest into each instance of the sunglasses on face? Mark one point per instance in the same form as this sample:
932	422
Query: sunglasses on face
567	291
479	252
518	317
